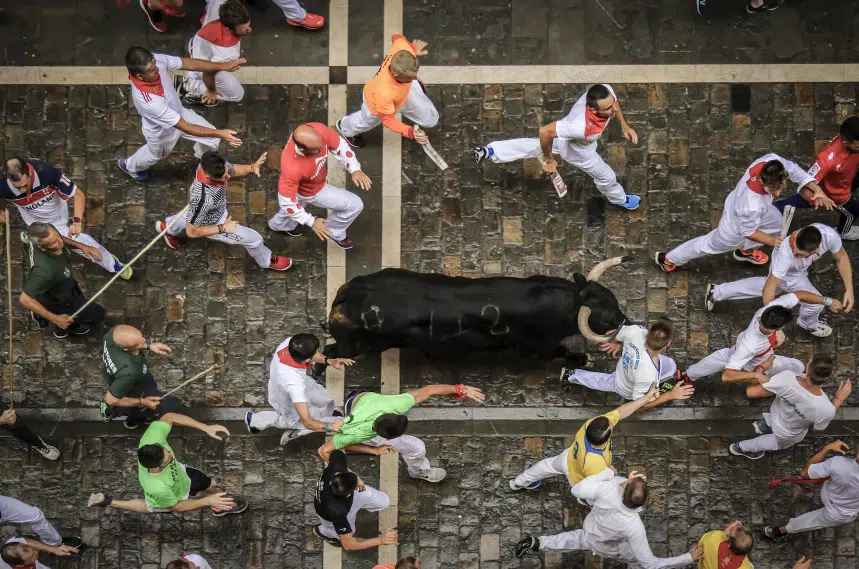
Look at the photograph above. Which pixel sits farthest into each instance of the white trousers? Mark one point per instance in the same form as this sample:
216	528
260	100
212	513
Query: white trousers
292	9
724	239
344	205
716	362
612	382
412	450
319	403
584	158
418	108
546	468
160	145
244	236
228	86
370	499
107	261
17	512
753	287
769	443
825	517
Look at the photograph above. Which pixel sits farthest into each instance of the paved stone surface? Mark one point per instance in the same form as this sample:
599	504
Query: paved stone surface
506	219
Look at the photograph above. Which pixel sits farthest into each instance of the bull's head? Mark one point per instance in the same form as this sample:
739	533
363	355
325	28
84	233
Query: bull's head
599	309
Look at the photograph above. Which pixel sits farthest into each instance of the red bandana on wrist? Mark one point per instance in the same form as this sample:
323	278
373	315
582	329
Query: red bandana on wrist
154	88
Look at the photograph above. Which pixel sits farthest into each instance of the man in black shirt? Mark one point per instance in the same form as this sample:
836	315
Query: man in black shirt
340	493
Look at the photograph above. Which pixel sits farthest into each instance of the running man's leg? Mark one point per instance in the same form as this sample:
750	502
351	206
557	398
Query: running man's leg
345	208
546	468
250	240
604	177
359	122
718	241
418	107
154	150
17	512
752	287
501	151
714	363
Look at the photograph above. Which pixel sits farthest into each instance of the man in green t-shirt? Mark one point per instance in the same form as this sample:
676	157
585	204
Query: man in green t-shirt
51	292
131	389
375	424
167	483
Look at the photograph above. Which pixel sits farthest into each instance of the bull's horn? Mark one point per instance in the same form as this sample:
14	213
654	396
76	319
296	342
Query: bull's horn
585	328
600	268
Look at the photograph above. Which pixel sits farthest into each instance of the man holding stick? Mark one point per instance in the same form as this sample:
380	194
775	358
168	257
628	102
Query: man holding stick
51	292
131	388
839	494
168	485
18	428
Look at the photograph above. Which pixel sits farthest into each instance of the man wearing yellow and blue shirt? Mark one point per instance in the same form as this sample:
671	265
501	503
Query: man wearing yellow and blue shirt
590	453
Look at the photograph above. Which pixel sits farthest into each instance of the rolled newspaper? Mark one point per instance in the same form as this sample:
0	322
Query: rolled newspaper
431	152
557	180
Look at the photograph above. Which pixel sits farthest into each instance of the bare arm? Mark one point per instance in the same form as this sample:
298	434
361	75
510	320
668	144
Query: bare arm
770	289
308	421
740	376
760	237
631	407
36	307
837	446
425	393
548	134
123	402
758	391
79	203
177	419
209	81
191	64
197	130
846	272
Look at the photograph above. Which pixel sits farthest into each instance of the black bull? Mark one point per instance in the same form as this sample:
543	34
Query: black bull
442	315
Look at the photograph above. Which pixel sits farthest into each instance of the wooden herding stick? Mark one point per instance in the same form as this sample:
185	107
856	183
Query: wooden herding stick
198	376
10	370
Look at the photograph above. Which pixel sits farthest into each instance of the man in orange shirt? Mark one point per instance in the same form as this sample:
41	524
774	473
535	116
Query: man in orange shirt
395	87
404	563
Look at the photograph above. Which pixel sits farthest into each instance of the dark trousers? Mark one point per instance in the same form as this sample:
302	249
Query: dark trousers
849	210
91	315
143	415
21	431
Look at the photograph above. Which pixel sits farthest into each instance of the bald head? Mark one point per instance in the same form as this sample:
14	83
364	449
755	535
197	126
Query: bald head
128	337
307	139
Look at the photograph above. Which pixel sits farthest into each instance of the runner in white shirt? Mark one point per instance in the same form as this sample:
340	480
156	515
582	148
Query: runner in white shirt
23	552
839	494
225	22
613	528
743	361
575	138
789	273
164	119
641	367
189	561
749	218
301	405
799	404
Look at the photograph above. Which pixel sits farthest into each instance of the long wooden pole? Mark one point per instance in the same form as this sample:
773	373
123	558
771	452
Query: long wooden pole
198	376
10	370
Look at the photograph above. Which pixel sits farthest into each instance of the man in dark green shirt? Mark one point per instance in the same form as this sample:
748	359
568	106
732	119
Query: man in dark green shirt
131	389
51	292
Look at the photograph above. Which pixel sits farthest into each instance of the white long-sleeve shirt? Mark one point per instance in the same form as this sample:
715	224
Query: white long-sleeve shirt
614	531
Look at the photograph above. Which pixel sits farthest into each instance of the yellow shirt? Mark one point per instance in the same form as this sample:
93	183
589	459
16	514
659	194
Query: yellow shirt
714	559
583	460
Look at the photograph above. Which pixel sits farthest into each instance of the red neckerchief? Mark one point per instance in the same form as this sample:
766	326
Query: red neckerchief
217	33
287	359
154	88
202	177
754	182
728	559
594	124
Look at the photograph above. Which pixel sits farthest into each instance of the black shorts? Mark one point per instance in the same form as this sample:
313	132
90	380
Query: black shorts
199	481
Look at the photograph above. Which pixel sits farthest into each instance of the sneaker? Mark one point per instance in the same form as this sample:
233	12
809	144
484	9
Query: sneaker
124	272
701	6
297	232
735	450
280	263
525	545
709	299
241	506
289	435
480	153
171	241
754	256
768	5
332	541
60	333
311	22
72	541
531	486
632	202
761	427
171	12
40	321
775	535
248	417
155	17
139	176
663	262
25	238
852	234
567	375
99	500
79	329
130	426
346	243
356	141
434	474
105	412
48	452
821	331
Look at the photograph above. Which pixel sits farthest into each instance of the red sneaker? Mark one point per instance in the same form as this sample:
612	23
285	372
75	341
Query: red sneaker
311	22
173	13
171	241
155	17
280	263
755	256
663	262
345	243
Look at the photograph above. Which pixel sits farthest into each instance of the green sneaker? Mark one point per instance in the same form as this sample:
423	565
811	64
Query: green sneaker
125	272
25	238
105	411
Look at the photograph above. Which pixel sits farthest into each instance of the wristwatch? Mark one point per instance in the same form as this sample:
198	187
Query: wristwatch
148	344
77	220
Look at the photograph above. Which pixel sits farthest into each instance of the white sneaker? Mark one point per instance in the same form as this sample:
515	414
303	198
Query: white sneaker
851	235
821	331
49	452
434	474
288	435
709	299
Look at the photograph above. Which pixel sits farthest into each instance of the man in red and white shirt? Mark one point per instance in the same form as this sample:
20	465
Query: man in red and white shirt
303	181
164	119
575	138
220	40
835	168
749	218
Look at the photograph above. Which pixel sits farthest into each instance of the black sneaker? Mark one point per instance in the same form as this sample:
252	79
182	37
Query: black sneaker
525	545
130	426
241	506
60	333
709	299
72	541
480	153
297	232
775	535
701	5
663	263
334	542
768	5
337	413
80	329
356	141
735	450
567	375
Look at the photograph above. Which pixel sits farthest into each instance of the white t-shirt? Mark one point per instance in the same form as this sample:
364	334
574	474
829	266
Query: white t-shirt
197	560
842	488
287	383
215	42
753	347
789	268
635	368
4	565
578	127
160	113
795	409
